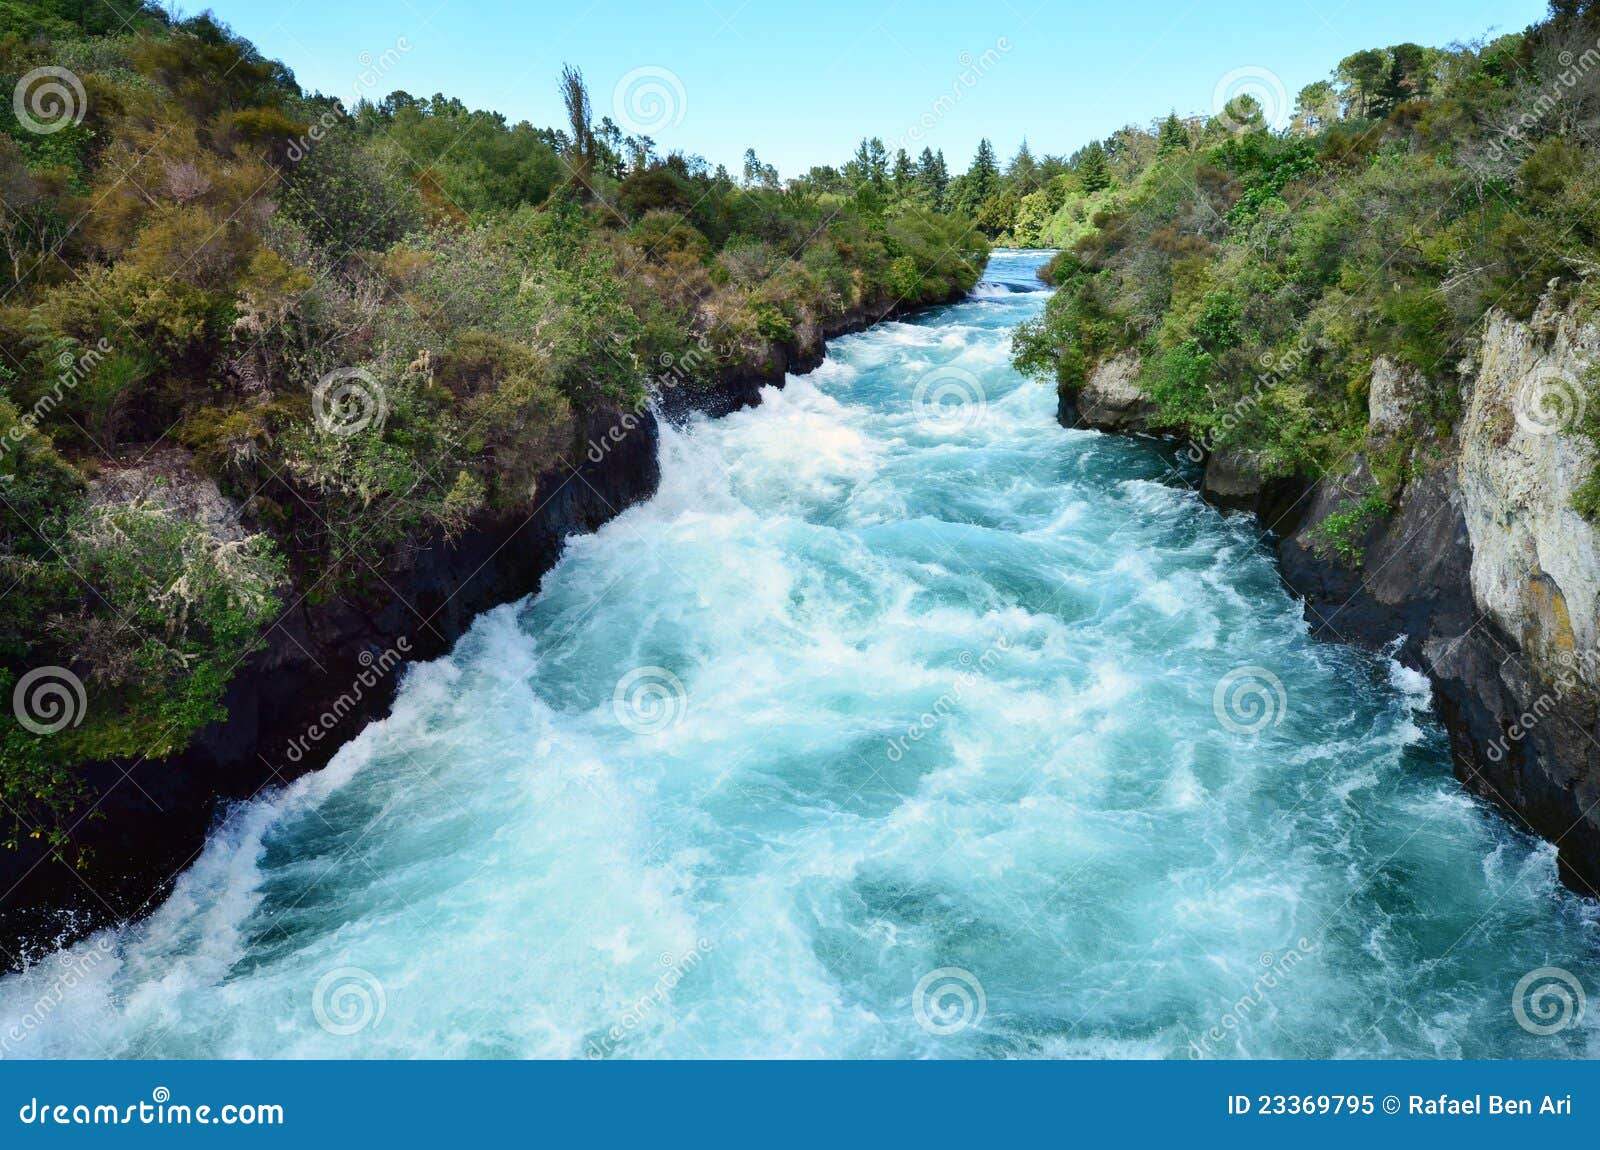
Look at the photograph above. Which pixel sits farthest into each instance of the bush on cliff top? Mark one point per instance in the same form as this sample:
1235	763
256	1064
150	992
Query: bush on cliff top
369	324
1259	274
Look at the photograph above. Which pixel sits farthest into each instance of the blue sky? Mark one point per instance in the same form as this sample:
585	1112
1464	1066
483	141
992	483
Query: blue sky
802	81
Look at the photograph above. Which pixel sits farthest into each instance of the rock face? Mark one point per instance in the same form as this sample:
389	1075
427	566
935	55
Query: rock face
1535	577
1391	397
327	668
165	478
1111	399
1535	562
1482	566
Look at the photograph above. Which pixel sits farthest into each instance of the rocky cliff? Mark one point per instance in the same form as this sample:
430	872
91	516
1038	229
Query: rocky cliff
328	666
332	664
1480	570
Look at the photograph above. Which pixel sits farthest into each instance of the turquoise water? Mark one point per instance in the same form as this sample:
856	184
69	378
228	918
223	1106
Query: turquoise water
902	722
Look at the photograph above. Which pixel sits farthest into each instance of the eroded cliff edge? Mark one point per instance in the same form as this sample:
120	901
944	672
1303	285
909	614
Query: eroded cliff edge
330	665
1480	567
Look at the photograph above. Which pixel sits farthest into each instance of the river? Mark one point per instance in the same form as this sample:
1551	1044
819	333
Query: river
902	722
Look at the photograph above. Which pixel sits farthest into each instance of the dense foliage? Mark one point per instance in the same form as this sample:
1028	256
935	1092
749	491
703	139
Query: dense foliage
367	325
1260	274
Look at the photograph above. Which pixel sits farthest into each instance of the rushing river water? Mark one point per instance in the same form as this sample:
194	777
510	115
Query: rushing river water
902	722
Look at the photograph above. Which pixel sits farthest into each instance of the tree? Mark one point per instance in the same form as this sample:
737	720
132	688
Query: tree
1094	175
757	174
870	165
933	177
1408	75
1363	74
1023	171
904	176
980	181
1315	107
581	148
1173	135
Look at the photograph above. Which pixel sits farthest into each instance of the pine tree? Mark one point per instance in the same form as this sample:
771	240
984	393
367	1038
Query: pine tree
933	177
983	176
1408	77
1024	171
1174	136
1363	74
905	174
1093	173
870	165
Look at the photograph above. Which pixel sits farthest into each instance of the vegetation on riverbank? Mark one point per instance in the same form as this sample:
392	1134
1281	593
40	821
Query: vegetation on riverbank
1261	274
368	323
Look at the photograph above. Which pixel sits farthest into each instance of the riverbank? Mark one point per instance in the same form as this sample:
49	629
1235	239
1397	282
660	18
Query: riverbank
878	717
330	666
1479	574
